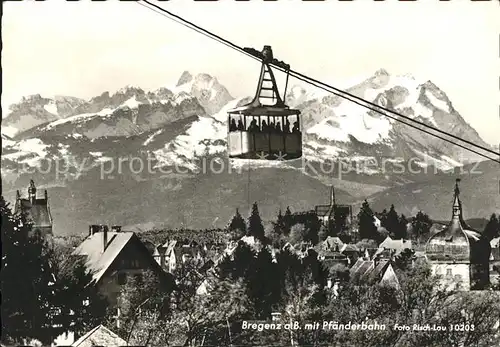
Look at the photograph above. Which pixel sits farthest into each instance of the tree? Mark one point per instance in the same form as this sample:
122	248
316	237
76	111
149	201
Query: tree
366	243
392	223
255	227
279	225
297	234
27	281
402	229
264	294
367	228
338	225
404	259
82	307
492	229
420	294
287	221
421	226
275	233
383	218
323	233
144	308
302	295
339	272
311	224
186	318
239	266
237	226
274	239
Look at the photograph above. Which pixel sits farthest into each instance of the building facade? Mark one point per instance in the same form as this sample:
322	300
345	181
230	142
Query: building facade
117	257
36	209
459	254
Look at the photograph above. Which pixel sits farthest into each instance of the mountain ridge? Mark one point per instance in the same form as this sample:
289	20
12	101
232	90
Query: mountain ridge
180	131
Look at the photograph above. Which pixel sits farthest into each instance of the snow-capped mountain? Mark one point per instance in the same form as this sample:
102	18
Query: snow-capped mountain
72	139
334	127
34	110
212	95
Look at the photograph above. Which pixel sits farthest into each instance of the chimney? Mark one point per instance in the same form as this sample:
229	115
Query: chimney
104	229
46	195
116	228
93	229
32	192
162	250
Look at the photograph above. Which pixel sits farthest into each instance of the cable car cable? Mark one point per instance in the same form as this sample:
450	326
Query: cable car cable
308	80
423	130
315	82
286	85
249	163
394	112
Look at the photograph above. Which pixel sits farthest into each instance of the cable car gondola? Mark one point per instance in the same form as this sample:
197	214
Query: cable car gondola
260	130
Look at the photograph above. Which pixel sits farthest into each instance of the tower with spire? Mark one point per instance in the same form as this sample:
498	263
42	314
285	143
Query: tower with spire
35	209
328	213
459	254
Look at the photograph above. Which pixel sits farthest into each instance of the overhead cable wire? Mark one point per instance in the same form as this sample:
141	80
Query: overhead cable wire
338	92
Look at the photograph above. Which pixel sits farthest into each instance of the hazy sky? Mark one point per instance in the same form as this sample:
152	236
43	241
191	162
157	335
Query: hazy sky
84	48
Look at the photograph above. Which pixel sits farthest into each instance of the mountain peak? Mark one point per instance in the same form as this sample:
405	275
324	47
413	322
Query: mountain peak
129	88
186	77
31	98
381	72
204	77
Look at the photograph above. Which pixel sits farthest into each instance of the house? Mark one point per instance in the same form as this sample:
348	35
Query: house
100	336
459	254
352	252
36	209
333	260
495	243
334	256
390	248
397	246
289	247
174	252
333	243
113	257
380	271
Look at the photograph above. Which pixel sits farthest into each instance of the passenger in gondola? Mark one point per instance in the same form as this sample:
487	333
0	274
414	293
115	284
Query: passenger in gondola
253	126
265	127
232	126
241	127
278	127
295	127
286	127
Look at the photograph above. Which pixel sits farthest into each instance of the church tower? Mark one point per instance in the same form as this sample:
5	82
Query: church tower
334	213
32	192
36	210
458	253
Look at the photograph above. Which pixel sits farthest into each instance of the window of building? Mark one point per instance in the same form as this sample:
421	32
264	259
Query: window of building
448	272
122	278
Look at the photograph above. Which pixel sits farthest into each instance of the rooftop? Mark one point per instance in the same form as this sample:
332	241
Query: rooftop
100	336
